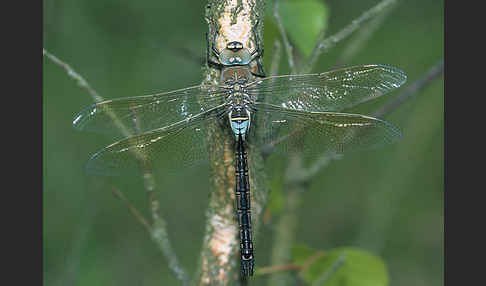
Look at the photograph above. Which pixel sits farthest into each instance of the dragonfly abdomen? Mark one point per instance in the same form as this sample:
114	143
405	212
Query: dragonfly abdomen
240	121
243	208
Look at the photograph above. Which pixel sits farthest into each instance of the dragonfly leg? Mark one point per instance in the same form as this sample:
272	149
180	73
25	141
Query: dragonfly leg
257	54
209	59
258	48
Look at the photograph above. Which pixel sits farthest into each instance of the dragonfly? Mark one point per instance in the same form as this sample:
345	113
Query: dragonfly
285	113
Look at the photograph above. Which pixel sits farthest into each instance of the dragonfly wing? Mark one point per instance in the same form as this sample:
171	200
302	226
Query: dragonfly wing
318	133
330	91
124	117
170	148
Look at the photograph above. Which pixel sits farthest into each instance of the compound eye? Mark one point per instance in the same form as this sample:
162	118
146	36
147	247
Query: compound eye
243	56
227	57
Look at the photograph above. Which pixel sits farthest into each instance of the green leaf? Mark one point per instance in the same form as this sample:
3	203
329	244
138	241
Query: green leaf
344	266
304	20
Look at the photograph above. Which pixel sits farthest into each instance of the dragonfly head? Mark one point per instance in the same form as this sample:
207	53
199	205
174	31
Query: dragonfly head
235	54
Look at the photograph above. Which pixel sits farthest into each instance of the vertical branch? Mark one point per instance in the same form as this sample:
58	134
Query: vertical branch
295	184
277	47
287	45
233	20
286	227
413	89
297	177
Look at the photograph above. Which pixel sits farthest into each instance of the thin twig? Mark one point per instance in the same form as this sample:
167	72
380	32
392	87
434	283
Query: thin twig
277	53
287	45
73	74
311	260
321	162
132	209
96	97
412	89
375	225
158	230
334	267
291	266
363	35
325	44
161	238
278	268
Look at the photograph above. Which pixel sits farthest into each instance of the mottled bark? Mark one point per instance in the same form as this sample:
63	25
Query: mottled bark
234	21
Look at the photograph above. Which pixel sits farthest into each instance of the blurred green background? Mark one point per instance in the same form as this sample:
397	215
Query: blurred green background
388	201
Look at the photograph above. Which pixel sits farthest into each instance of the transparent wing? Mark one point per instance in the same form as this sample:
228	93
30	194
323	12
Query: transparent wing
329	91
178	146
318	133
134	115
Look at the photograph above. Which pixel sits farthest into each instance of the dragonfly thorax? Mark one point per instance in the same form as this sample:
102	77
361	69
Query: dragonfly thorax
236	79
236	75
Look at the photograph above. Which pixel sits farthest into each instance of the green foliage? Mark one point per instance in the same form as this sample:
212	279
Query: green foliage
392	195
344	266
304	20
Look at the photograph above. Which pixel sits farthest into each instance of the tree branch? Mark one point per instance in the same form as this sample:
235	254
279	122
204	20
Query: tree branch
289	267
158	230
233	20
412	89
324	44
363	35
74	75
286	227
133	210
287	45
277	53
334	267
298	178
